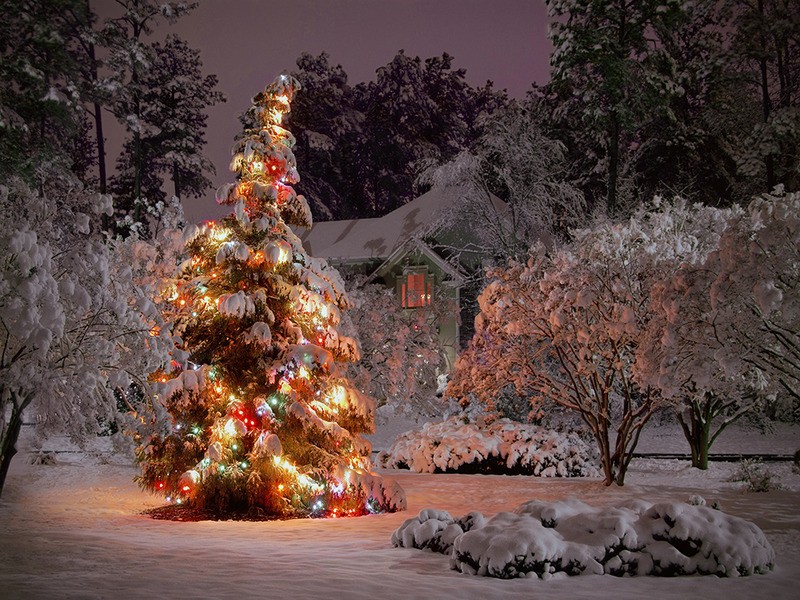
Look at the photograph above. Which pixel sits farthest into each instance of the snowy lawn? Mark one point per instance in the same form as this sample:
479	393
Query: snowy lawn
76	531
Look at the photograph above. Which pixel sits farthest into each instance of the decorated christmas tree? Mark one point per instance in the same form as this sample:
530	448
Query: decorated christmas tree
261	419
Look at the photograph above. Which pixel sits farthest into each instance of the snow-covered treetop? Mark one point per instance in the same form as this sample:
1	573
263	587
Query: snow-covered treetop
263	160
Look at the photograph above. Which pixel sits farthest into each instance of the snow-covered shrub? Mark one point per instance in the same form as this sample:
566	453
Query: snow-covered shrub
753	297
501	446
756	477
570	327
723	330
569	537
402	355
434	530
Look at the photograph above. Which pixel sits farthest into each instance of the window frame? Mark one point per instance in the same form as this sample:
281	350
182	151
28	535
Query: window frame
418	296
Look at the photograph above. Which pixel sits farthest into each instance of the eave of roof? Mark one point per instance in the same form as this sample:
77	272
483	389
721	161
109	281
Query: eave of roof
377	238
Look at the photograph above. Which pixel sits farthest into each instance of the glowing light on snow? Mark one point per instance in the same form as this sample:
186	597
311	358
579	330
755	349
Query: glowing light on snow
337	395
230	428
221	234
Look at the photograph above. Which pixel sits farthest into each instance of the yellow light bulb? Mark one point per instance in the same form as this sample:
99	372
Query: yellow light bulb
337	395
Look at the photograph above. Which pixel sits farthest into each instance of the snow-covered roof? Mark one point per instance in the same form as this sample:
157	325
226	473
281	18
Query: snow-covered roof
368	239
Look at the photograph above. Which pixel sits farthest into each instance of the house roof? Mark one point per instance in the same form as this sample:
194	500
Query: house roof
378	238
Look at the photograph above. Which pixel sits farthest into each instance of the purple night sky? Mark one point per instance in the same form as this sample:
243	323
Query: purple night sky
246	43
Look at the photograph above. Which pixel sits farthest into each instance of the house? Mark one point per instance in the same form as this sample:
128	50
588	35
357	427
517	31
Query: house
423	250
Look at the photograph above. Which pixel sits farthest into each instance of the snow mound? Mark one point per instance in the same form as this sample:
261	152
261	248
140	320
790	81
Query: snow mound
502	446
571	538
434	530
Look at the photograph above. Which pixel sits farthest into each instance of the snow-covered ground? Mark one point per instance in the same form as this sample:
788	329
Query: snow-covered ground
75	530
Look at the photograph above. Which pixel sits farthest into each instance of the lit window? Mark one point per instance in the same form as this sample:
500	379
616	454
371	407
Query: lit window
415	288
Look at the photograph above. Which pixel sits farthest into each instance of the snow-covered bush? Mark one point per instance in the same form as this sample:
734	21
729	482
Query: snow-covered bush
755	294
568	537
77	324
723	330
565	327
434	530
501	446
402	355
756	477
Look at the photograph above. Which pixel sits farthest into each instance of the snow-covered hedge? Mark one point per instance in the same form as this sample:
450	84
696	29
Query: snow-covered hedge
502	446
570	538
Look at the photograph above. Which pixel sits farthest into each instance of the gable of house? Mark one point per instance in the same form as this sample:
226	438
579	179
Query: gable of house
404	250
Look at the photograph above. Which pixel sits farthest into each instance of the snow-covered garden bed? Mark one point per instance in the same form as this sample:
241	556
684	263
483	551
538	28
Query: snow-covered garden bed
501	446
569	537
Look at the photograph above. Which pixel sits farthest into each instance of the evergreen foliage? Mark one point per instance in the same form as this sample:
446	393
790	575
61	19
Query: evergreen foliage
171	134
263	421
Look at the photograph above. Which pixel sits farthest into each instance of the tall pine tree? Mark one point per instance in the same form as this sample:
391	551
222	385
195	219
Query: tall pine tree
605	68
173	98
129	59
263	421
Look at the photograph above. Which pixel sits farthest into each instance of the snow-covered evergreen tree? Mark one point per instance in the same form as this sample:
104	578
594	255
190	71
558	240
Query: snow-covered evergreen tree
39	87
327	125
124	87
263	419
174	97
764	48
607	67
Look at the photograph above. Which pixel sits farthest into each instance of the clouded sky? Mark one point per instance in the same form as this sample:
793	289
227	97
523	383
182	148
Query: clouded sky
246	43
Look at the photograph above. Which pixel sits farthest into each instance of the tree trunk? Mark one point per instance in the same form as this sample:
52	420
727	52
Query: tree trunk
606	463
613	165
101	146
8	448
697	431
766	103
176	181
137	137
98	116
